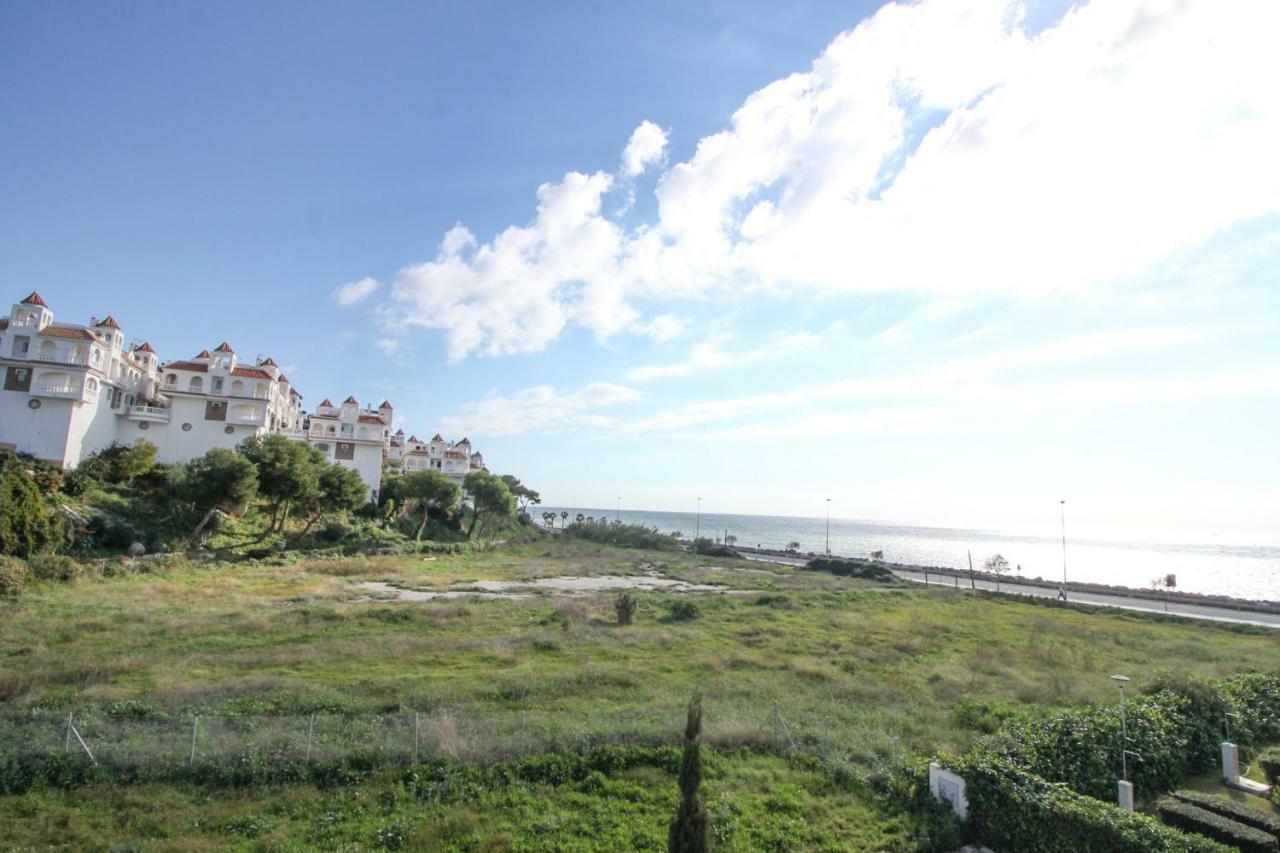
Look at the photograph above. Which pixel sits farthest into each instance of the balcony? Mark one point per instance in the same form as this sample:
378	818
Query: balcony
153	414
50	389
60	358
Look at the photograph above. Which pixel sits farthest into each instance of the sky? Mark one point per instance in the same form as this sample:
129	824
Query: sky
945	262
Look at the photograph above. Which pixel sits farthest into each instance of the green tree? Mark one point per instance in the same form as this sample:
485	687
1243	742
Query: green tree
525	496
338	489
490	499
690	828
27	524
220	481
428	489
120	463
288	471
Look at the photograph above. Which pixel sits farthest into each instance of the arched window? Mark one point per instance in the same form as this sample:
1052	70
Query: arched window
47	350
171	379
196	384
261	391
237	388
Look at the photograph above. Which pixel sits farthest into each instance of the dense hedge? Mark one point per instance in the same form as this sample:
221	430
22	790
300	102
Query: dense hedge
1177	730
1010	809
622	535
1268	822
851	568
1192	818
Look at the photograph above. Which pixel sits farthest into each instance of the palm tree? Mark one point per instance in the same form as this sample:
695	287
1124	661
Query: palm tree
580	518
564	516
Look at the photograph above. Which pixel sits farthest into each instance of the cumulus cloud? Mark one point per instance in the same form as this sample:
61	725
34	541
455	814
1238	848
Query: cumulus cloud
540	407
356	291
646	148
938	147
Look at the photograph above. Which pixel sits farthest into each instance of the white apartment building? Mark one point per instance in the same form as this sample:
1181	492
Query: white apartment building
71	390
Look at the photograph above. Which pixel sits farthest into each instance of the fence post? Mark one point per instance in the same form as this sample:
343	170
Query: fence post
191	762
523	714
83	745
826	740
416	728
311	727
66	746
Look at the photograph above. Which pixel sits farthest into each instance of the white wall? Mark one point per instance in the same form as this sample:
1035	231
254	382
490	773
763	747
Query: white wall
41	432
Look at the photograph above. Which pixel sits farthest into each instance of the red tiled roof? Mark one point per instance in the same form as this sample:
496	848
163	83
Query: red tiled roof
72	332
385	405
284	379
465	441
370	419
34	299
193	366
326	403
225	347
268	362
438	437
251	373
146	347
413	438
204	353
110	322
455	454
351	399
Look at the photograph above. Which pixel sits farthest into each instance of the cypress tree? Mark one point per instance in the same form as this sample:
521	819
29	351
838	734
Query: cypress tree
690	829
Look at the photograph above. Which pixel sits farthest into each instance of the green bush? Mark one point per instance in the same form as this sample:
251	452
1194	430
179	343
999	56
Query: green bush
27	522
864	569
13	575
1191	818
1270	764
622	535
55	567
626	606
1268	822
1010	809
683	610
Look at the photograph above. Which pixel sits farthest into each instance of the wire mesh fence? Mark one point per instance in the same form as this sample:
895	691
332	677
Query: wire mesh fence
466	734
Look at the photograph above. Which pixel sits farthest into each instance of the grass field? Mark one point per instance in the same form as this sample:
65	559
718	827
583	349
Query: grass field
858	673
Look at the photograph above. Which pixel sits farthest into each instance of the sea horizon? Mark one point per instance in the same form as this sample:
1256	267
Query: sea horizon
1237	564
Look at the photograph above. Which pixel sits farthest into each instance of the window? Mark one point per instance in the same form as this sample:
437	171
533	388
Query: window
171	379
91	384
186	427
21	344
217	385
237	387
196	384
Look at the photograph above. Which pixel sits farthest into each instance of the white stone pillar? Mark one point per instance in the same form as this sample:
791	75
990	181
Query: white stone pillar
1124	791
1230	763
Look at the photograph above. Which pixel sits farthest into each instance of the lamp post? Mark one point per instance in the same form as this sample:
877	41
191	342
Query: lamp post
1061	509
619	517
697	525
828	527
1121	681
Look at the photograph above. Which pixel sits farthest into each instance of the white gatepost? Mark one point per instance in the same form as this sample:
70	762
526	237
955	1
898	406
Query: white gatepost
1230	763
948	787
1124	795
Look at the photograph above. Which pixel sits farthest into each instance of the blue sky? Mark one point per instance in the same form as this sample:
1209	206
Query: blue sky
944	262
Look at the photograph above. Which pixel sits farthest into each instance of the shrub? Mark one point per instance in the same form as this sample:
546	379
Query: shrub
622	535
864	569
13	575
683	610
1270	764
27	524
1192	818
1268	822
55	567
626	605
1010	809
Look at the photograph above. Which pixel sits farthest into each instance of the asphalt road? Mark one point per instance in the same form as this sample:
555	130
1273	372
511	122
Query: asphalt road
1175	608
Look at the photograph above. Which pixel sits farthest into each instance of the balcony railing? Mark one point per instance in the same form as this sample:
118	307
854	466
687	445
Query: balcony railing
53	390
61	358
149	413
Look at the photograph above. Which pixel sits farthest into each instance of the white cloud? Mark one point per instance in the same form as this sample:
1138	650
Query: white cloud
711	353
664	327
539	408
355	291
937	148
646	148
387	345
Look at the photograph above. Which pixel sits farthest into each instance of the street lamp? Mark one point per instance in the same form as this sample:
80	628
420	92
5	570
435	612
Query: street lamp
697	528
828	527
1121	681
619	510
1062	510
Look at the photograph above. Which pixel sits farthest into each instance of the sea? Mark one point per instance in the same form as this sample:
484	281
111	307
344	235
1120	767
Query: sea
1213	564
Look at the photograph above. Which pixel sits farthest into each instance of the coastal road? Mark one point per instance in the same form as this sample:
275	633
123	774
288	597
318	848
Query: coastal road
1176	608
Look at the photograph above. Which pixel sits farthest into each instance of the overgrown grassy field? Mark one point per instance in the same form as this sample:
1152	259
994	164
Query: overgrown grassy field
855	673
